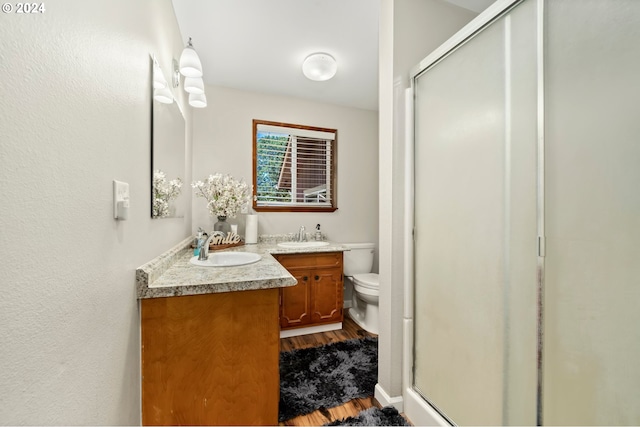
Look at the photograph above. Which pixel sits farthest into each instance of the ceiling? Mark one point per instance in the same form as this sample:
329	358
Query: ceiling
259	45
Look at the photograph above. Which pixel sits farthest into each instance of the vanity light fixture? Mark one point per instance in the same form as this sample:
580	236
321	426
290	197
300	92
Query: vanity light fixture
190	65
194	85
161	91
191	68
319	66
176	73
163	95
159	82
198	100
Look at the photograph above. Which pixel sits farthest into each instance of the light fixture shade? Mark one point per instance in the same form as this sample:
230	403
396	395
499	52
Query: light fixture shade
159	81
194	85
198	100
163	95
319	67
190	65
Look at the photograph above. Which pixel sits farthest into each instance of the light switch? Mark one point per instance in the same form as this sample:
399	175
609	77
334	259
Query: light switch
120	200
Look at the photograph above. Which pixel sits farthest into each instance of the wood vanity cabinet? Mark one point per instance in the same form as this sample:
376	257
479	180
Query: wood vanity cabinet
211	359
318	297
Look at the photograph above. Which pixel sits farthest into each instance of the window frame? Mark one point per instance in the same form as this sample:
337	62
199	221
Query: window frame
331	207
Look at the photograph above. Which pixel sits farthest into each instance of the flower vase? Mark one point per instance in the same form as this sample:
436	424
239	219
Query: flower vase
222	225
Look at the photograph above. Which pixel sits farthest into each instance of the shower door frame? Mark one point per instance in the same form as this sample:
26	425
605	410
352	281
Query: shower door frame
417	407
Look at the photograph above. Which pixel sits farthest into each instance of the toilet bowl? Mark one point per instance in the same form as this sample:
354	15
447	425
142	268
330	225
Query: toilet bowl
364	309
358	262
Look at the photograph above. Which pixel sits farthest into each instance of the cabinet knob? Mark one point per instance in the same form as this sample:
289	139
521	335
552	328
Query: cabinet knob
305	278
317	277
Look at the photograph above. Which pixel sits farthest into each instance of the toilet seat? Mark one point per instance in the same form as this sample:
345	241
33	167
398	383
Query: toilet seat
367	280
363	290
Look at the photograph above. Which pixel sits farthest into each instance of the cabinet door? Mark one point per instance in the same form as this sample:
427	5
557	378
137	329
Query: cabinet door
326	295
294	306
210	360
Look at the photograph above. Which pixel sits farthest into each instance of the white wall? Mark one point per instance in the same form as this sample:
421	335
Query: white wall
419	28
75	114
409	31
222	143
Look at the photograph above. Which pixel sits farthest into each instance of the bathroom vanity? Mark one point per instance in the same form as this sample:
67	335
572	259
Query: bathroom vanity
318	297
211	359
211	335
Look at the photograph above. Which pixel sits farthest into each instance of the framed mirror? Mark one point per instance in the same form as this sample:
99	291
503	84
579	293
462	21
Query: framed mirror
167	149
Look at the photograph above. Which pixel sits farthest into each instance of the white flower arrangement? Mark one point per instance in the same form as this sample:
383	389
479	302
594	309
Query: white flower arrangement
225	196
163	193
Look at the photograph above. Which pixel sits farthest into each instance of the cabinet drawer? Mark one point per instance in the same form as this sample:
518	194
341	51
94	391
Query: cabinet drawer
324	260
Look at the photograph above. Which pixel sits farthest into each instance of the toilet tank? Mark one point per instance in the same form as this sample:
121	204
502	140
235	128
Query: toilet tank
359	258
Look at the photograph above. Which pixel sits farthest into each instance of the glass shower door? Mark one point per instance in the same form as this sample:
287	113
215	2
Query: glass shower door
592	289
475	226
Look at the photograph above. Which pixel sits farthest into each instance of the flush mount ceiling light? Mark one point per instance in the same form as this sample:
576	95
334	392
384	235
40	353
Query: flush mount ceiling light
190	65
319	67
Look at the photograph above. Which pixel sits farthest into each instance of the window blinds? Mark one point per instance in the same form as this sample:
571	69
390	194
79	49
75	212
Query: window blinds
293	166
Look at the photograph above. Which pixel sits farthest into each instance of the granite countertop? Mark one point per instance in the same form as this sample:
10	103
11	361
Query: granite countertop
171	274
273	248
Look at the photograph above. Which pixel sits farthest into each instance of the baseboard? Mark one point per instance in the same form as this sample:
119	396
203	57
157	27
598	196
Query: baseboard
347	304
310	330
384	399
420	412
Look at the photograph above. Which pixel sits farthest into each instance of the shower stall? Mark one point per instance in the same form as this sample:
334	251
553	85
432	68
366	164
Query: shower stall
526	214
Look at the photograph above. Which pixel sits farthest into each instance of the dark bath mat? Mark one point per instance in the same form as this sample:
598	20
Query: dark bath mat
387	416
327	376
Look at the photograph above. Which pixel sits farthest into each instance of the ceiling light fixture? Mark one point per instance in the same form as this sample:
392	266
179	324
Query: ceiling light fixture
319	66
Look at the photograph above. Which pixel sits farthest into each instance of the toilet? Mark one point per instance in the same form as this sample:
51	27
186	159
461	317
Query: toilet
358	262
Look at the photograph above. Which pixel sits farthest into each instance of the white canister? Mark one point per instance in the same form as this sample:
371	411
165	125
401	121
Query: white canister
251	230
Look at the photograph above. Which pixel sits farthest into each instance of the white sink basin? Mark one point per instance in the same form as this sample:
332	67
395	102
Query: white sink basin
312	244
226	259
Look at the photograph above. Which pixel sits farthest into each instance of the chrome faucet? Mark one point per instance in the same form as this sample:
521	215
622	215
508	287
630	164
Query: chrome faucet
302	236
204	250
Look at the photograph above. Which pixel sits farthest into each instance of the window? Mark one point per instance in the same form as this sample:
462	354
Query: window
293	167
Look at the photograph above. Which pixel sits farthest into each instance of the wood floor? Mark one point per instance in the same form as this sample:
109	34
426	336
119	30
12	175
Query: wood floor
350	330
